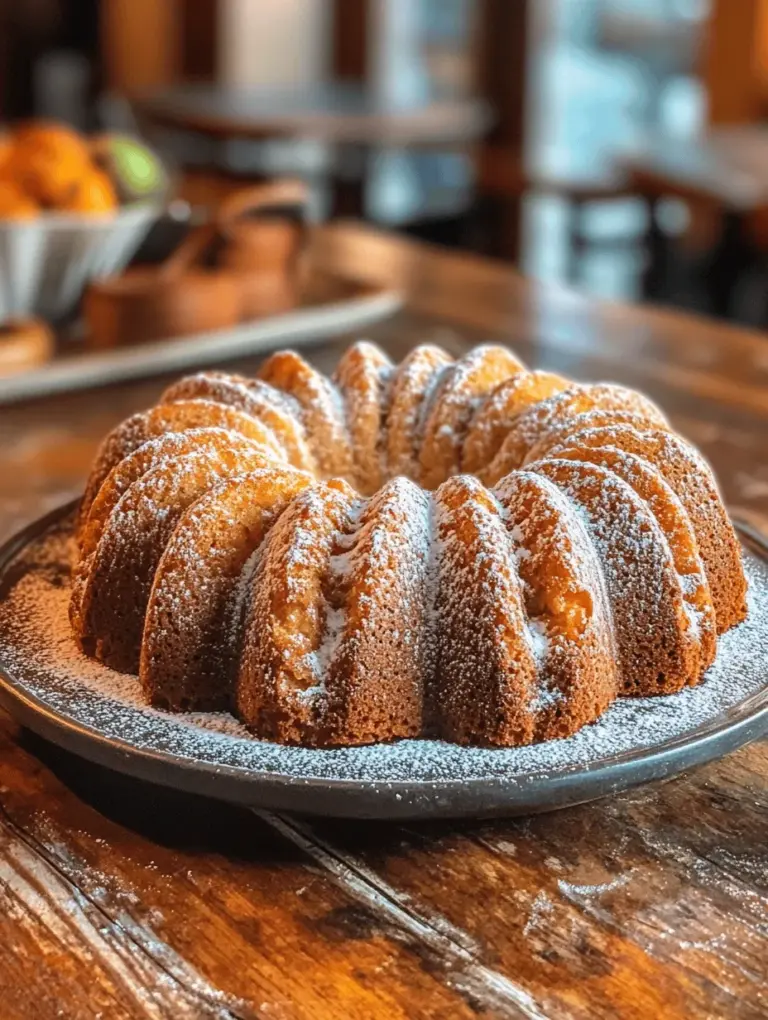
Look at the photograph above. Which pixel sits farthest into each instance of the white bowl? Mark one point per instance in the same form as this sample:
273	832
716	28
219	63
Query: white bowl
45	263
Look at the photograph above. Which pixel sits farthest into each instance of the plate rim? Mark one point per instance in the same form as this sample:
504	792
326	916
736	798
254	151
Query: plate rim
477	796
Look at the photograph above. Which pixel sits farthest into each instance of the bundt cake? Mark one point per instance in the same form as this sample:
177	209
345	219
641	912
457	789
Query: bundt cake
457	549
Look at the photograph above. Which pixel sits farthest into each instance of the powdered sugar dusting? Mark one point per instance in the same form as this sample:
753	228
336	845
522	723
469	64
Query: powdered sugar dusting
37	648
539	640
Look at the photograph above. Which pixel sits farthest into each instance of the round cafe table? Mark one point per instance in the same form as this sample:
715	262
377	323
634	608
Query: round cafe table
348	117
724	170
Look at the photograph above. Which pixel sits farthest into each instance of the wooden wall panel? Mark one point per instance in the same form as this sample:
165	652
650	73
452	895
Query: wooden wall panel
141	43
732	59
349	39
199	43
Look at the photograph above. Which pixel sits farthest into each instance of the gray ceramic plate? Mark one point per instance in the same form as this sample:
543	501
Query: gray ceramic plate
100	715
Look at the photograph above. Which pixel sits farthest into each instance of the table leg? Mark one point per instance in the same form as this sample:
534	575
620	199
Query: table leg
654	276
348	198
576	243
731	257
348	183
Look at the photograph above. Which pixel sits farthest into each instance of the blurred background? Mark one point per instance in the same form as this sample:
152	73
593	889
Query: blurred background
617	146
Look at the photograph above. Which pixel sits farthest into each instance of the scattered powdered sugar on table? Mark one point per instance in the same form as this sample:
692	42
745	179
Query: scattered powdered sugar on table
38	651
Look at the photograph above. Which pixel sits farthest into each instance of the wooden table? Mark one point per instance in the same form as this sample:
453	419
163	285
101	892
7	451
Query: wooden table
725	170
349	117
728	166
120	900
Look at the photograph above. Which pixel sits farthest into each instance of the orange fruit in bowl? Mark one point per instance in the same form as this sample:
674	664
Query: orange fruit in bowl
93	194
15	204
47	160
6	148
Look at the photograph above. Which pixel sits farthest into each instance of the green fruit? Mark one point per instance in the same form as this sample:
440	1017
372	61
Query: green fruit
134	168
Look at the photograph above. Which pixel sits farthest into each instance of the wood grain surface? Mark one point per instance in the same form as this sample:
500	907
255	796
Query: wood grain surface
123	900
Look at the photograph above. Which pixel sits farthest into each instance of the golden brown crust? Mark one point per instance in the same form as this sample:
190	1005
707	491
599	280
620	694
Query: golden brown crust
566	605
321	409
414	378
675	523
461	391
108	607
163	449
376	679
259	400
495	416
364	375
177	417
192	627
560	432
654	652
534	424
290	622
691	478
485	672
